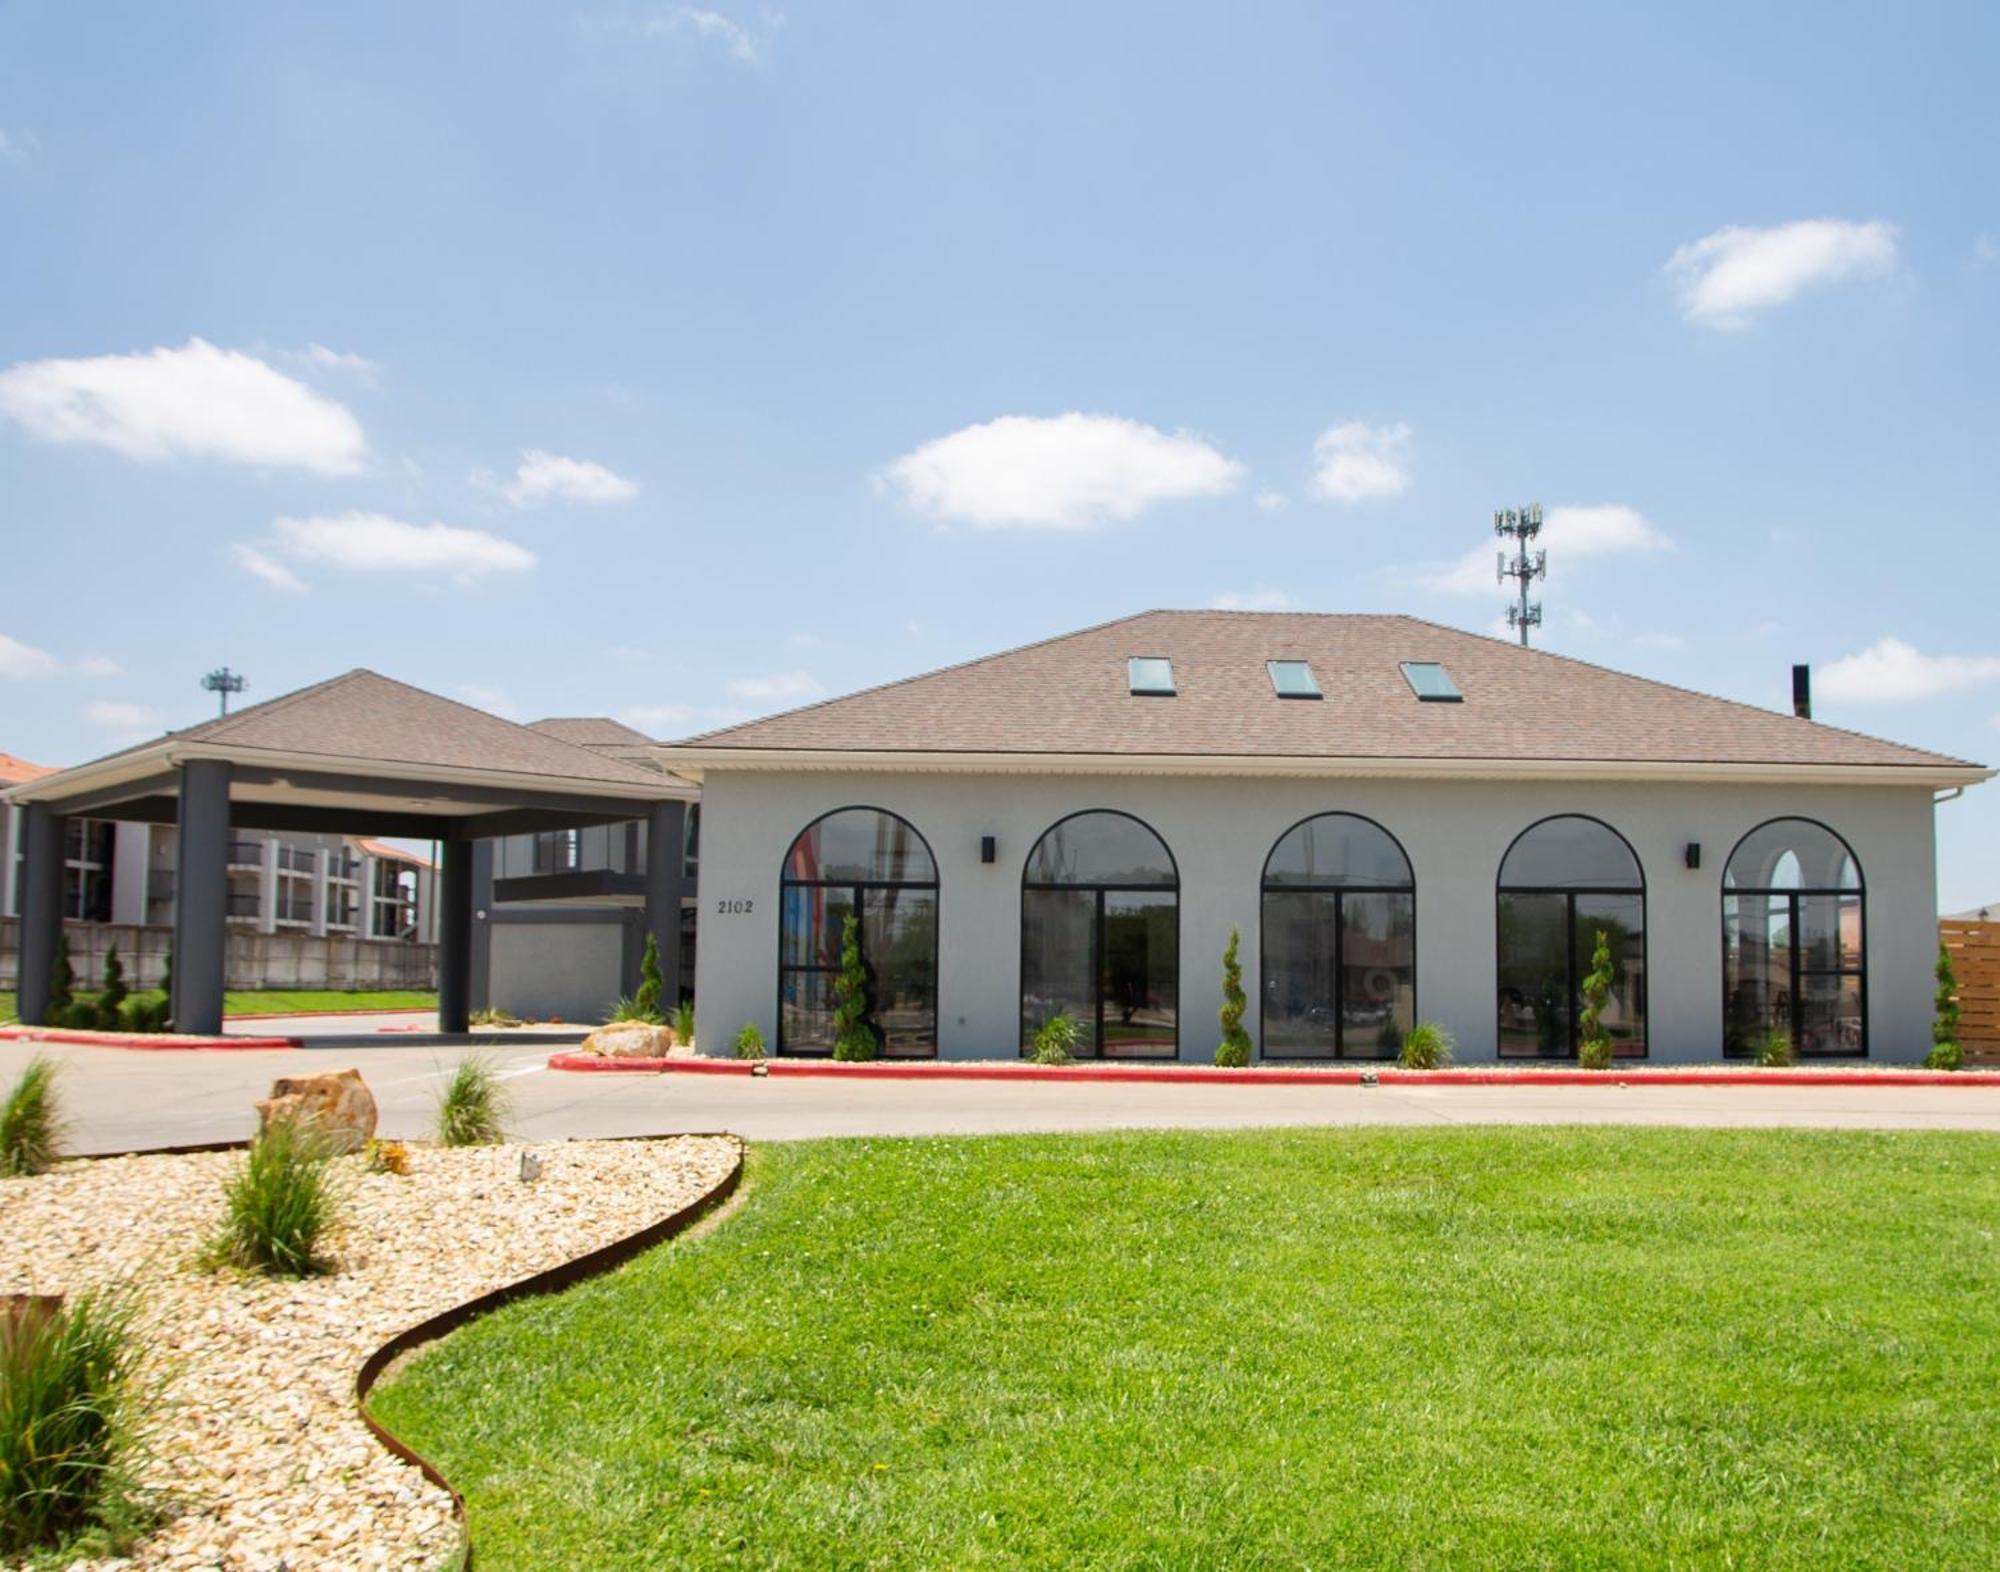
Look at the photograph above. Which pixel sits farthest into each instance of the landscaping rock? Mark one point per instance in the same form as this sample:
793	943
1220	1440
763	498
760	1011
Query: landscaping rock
339	1104
630	1040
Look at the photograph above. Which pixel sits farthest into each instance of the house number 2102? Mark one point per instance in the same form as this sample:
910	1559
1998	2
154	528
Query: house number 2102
733	908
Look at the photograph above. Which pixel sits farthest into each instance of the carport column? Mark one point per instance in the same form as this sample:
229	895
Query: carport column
201	896
455	938
666	867
41	907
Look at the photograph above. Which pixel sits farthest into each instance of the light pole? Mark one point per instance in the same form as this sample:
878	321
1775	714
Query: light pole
1522	525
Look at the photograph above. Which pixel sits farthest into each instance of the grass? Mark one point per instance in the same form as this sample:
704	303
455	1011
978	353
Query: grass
273	1001
69	1410
473	1108
31	1122
1437	1349
279	1204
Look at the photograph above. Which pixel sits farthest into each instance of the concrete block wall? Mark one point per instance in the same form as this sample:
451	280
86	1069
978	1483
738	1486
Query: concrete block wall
250	960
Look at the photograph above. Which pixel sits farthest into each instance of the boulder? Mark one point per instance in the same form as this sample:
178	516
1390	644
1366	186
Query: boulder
629	1040
338	1104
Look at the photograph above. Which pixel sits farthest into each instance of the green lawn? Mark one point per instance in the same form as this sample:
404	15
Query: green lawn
1457	1348
294	1001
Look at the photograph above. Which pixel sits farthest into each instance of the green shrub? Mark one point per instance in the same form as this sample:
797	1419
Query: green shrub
473	1108
1233	1052
145	1015
1945	1053
650	981
279	1204
70	1408
853	1036
62	981
1425	1046
1055	1039
684	1023
1593	1048
1945	1056
750	1042
112	996
629	1008
79	1015
1776	1051
31	1122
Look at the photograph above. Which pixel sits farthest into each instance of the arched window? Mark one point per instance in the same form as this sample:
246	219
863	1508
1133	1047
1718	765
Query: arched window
1562	883
1100	936
1793	943
873	866
1339	951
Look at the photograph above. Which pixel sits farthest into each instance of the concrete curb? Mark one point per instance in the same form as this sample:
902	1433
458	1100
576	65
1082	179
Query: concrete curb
1265	1075
143	1042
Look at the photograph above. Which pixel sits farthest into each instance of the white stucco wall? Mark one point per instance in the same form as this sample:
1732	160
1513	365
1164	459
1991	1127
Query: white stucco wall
570	970
1220	832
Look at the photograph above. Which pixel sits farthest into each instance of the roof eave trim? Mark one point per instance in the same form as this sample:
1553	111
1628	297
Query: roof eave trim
694	763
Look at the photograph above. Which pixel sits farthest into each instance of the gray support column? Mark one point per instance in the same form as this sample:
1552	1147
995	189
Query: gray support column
455	938
201	896
479	989
666	865
41	907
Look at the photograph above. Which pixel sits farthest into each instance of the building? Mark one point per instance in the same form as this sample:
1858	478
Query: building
1402	822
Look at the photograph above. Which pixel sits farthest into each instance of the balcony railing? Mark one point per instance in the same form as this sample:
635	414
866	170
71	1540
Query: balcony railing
246	854
297	859
339	867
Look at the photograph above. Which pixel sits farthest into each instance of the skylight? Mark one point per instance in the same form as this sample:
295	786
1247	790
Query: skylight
1152	675
1431	682
1293	679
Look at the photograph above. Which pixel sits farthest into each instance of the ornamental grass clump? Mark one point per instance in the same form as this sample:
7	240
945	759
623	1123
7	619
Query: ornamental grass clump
31	1122
1425	1046
750	1042
1055	1039
1776	1051
632	1007
280	1204
473	1108
70	1411
684	1023
1233	1052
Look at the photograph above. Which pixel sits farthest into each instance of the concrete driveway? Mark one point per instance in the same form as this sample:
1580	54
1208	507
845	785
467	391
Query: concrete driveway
118	1100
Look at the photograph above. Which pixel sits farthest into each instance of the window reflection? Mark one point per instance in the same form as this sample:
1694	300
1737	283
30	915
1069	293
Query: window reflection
1793	942
1564	882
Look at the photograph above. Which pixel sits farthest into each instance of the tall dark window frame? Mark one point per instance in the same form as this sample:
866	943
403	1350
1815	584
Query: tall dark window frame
1339	891
1797	970
855	890
1099	892
1578	965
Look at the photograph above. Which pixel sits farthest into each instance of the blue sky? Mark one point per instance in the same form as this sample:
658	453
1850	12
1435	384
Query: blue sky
747	354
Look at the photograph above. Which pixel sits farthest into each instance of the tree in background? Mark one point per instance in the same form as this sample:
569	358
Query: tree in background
853	1037
1234	1050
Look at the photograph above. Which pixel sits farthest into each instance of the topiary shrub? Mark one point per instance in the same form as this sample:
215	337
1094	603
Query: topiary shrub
79	1015
647	999
146	1015
1593	1048
31	1122
1425	1046
278	1205
1776	1051
70	1411
853	1036
749	1042
472	1110
62	982
1945	1053
1233	1052
1055	1039
112	996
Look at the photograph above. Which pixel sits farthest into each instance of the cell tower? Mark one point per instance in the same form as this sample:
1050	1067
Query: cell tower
222	682
1522	525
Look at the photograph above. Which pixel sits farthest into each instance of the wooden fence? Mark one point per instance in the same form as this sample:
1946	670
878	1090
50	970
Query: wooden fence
1975	963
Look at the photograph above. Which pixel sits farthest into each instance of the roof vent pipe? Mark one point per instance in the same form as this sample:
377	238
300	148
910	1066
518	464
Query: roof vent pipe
1802	692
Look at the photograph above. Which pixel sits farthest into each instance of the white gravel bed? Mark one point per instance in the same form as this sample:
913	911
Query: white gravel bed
258	1446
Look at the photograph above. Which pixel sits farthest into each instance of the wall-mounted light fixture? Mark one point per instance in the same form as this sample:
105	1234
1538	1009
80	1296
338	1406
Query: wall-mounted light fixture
1694	854
989	849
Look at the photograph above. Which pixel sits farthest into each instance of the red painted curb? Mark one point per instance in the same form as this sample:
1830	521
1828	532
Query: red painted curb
142	1042
1199	1074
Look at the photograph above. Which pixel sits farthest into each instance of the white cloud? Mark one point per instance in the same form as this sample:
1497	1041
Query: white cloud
195	401
1253	600
1071	471
1272	501
749	41
494	701
1569	533
324	359
24	660
543	477
1889	669
261	564
678	720
126	719
785	687
1354	461
1985	249
804	641
372	542
98	666
10	149
1728	276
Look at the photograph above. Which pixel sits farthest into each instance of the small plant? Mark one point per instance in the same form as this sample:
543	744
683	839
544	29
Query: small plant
62	981
473	1108
279	1205
650	980
750	1042
684	1023
1945	1052
492	1017
853	1037
386	1157
111	998
1055	1039
31	1122
1425	1046
628	1008
1593	1048
1776	1051
146	1015
79	1015
1233	1051
167	988
70	1410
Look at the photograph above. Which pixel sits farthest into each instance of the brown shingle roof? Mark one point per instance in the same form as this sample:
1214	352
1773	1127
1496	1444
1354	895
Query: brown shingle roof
591	731
14	771
1069	695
